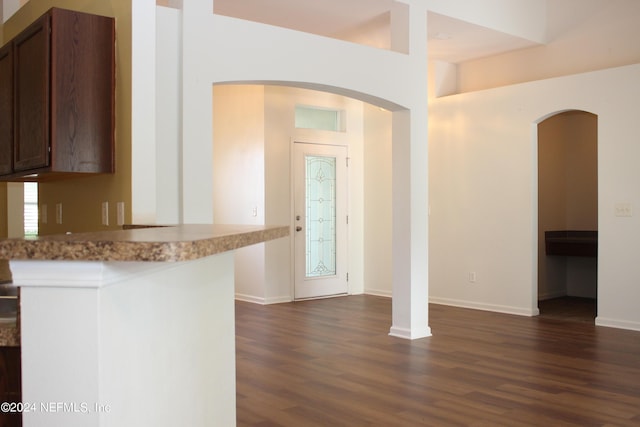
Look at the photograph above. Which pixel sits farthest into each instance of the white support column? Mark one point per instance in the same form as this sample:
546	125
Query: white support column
197	114
410	193
143	111
400	27
169	115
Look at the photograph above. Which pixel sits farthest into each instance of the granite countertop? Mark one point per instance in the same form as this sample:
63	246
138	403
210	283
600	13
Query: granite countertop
152	244
9	334
138	243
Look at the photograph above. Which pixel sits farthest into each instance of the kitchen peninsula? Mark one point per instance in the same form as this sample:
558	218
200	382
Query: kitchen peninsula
132	327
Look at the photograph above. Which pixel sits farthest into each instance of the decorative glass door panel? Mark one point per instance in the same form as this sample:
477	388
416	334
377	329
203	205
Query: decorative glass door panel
321	216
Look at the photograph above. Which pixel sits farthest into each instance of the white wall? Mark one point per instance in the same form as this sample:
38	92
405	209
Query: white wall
377	201
238	176
483	187
521	18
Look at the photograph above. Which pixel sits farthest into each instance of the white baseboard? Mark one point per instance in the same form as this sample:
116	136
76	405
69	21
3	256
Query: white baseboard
520	311
249	298
616	323
409	334
278	300
262	301
378	293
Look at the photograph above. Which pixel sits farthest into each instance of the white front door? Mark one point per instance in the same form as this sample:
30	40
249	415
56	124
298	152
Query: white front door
320	220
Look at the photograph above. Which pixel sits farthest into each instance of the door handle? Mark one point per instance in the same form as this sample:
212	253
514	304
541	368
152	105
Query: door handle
298	228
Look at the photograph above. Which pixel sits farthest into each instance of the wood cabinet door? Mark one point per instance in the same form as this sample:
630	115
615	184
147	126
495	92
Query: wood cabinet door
82	82
6	110
32	108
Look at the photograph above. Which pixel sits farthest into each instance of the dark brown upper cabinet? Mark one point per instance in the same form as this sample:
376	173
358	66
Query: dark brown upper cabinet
6	110
57	90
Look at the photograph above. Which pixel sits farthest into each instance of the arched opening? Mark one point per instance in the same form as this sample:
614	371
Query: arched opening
568	215
254	141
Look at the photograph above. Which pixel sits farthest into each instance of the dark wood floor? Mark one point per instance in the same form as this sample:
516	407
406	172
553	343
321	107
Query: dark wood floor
574	309
331	363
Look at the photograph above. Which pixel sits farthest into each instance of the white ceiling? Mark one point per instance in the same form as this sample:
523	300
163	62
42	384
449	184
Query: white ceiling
467	41
450	39
324	17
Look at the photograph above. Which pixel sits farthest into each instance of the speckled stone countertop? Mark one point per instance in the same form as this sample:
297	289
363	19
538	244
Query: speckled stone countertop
154	244
9	334
138	243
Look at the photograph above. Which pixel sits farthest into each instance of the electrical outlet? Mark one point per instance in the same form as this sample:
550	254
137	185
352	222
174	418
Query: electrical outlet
105	213
120	213
58	213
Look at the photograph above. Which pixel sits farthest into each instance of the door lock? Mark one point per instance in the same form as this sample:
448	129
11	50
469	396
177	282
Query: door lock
298	228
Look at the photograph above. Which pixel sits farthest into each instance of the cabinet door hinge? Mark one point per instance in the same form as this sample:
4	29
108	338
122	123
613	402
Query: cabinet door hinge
347	159
347	277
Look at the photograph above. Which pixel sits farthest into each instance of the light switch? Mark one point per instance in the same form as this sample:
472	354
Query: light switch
623	209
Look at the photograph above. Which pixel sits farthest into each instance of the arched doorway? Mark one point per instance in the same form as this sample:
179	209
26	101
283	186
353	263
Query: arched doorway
255	134
568	215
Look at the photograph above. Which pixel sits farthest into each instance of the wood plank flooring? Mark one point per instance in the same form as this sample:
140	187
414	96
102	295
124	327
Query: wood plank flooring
569	308
332	363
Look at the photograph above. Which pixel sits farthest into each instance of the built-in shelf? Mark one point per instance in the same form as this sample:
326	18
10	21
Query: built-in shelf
583	243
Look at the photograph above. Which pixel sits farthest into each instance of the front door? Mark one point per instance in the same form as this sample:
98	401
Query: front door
320	220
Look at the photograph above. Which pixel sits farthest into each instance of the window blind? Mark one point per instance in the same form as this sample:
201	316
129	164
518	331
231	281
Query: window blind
30	208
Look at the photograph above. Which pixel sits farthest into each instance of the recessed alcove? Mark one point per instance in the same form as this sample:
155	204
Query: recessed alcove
567	206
